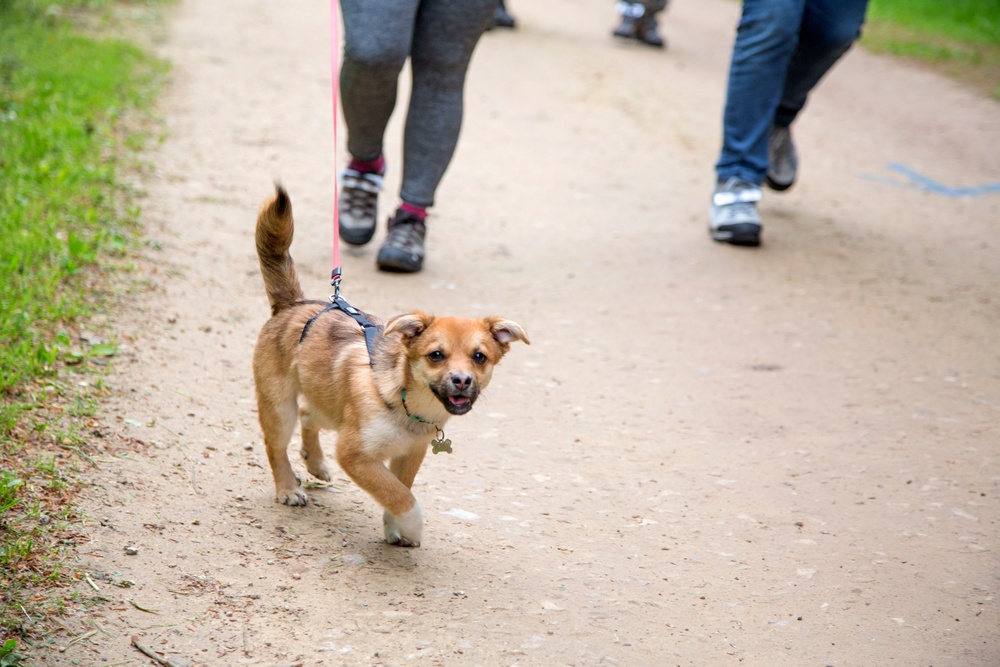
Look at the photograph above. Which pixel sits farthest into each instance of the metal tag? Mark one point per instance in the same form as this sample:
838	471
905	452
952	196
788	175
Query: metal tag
439	445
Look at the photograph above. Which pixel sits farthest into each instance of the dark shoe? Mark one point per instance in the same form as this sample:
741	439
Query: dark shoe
358	206
647	32
403	249
502	18
625	29
782	159
733	216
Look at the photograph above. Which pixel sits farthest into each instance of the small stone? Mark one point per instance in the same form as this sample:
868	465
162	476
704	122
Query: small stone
131	551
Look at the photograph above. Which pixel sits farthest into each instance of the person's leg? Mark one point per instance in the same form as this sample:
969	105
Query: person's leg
829	28
445	35
376	45
444	38
377	41
765	41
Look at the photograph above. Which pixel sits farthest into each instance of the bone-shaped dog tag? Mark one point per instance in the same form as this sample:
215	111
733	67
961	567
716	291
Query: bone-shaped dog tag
439	445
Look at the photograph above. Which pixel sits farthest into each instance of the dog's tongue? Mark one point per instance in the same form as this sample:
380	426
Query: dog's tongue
458	400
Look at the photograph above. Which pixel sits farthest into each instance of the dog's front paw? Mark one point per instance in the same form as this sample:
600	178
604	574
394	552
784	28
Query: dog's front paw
294	496
406	529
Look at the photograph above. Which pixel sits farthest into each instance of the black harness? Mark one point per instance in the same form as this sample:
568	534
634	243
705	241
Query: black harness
370	328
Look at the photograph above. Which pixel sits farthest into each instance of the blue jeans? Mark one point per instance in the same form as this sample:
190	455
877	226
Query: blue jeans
783	48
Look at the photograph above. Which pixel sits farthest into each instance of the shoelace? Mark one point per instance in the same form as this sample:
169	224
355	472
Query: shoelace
408	235
737	202
360	194
359	202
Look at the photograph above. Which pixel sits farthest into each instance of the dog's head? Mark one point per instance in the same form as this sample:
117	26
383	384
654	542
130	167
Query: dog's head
454	356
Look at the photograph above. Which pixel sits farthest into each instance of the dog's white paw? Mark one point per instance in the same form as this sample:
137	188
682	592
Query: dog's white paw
294	497
404	530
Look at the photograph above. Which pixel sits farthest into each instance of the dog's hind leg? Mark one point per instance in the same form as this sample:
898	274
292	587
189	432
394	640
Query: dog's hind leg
277	420
312	453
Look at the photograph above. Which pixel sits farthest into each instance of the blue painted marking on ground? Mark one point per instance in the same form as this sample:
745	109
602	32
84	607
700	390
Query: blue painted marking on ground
920	182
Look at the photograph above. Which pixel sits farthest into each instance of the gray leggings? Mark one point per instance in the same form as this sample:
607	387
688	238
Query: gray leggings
438	36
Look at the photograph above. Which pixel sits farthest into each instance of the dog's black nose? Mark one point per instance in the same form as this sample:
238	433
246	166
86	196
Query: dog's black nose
462	382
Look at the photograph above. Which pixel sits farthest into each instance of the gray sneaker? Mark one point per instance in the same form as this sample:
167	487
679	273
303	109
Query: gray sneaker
782	158
403	249
358	205
733	216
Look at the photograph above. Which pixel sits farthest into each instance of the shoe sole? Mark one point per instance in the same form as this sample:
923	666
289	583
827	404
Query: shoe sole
746	234
357	236
398	263
655	45
778	186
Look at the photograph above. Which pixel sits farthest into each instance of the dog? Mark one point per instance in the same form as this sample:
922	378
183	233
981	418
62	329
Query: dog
388	389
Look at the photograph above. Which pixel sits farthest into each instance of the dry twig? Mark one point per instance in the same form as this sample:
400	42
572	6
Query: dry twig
166	662
140	608
76	640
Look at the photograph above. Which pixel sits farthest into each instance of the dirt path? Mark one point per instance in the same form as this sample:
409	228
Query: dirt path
708	456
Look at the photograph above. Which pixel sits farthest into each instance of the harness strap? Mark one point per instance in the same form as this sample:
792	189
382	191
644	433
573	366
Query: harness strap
370	328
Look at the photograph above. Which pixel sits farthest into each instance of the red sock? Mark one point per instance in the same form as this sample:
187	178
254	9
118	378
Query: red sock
376	166
418	211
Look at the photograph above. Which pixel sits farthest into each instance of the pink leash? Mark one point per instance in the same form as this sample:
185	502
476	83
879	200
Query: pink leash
335	79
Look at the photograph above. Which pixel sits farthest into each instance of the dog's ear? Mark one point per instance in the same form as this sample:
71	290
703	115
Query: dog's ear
409	325
506	331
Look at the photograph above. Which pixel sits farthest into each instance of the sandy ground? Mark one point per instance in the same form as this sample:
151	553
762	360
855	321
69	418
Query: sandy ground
708	456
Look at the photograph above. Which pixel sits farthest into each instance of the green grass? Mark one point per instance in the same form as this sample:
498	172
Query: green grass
62	97
960	38
970	21
68	106
9	657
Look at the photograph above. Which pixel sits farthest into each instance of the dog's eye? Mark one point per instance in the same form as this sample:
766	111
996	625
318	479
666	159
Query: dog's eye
436	355
480	358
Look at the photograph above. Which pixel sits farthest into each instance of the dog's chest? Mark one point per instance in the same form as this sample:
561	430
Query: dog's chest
385	438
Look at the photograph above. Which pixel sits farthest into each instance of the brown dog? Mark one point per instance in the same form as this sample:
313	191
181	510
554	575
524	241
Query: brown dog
386	402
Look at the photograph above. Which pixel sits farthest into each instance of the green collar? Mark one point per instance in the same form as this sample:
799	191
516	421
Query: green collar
438	444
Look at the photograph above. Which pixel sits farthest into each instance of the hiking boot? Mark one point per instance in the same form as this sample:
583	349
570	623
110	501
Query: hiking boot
782	159
630	12
733	216
647	32
403	248
626	29
502	18
358	205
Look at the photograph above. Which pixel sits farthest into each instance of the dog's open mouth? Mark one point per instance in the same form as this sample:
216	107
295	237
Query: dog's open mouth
457	405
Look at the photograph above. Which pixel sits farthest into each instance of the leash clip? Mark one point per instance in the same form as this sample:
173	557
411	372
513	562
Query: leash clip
335	281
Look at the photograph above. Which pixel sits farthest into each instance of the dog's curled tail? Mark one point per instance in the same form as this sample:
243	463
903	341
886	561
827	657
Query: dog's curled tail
274	238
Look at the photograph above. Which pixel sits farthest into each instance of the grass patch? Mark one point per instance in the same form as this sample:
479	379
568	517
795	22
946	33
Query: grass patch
959	38
68	106
971	21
